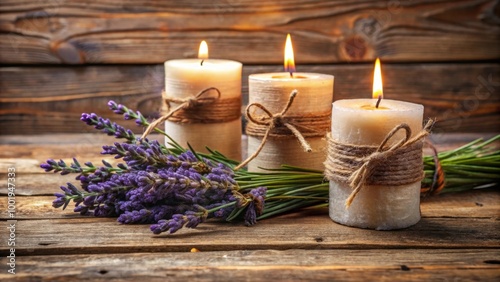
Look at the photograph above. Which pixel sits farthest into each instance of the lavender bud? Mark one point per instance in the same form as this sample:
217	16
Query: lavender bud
47	167
83	210
59	201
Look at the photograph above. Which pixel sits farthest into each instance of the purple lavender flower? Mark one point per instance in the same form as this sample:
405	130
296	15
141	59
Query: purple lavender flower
108	127
256	206
61	166
259	195
105	210
250	215
60	200
117	109
127	113
49	165
135	216
143	156
83	210
189	219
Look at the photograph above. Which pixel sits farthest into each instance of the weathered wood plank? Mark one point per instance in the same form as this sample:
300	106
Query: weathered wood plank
306	230
265	265
460	96
249	31
70	139
484	203
25	153
472	204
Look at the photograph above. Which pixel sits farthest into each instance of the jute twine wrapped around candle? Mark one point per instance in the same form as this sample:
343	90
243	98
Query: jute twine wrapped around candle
200	108
360	165
281	125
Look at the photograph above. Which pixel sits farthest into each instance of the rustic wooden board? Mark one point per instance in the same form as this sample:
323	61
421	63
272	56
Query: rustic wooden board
264	265
323	31
38	100
311	230
481	204
472	204
457	238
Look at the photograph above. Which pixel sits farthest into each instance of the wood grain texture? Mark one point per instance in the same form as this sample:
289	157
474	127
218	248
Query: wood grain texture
106	31
462	97
457	238
293	231
264	265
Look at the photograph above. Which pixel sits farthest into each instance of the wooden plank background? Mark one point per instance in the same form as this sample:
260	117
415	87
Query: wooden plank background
63	57
456	239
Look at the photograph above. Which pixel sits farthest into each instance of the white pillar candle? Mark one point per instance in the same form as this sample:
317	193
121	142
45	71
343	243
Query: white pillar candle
359	122
272	90
187	77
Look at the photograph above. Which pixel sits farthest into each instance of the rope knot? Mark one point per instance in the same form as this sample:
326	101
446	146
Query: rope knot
278	120
273	121
202	98
191	102
375	157
199	99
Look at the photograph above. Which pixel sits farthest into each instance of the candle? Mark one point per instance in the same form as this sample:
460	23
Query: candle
360	122
314	96
187	77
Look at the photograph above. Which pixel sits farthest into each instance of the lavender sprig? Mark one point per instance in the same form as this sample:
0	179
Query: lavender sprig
63	168
108	127
75	167
189	219
128	114
140	120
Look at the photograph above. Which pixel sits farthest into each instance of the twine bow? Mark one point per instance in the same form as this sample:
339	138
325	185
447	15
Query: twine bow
370	163
184	104
272	121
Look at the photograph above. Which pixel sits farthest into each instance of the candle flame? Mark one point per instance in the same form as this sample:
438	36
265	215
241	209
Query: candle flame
203	52
377	81
289	61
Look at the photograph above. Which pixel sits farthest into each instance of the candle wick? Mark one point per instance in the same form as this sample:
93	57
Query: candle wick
201	64
291	74
378	101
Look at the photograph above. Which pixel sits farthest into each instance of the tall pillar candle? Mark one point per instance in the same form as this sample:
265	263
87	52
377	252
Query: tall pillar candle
187	77
309	111
272	90
388	195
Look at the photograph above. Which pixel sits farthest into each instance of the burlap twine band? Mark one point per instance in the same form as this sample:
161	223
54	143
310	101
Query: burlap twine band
359	165
200	108
281	125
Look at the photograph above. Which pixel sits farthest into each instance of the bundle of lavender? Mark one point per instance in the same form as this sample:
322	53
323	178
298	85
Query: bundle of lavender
173	187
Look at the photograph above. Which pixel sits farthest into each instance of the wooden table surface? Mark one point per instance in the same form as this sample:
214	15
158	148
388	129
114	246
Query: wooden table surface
458	238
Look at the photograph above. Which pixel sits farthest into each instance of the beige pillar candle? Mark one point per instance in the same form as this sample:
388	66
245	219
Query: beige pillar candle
359	122
187	77
272	90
